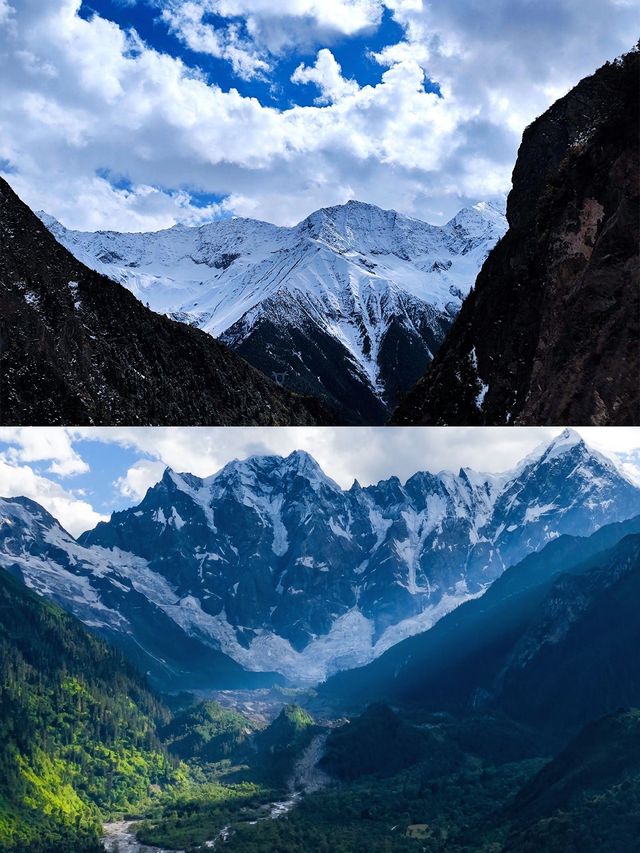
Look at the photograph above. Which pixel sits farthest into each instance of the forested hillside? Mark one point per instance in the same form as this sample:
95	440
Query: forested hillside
77	729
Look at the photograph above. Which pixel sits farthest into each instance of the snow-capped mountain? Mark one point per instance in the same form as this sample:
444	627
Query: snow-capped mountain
350	304
272	563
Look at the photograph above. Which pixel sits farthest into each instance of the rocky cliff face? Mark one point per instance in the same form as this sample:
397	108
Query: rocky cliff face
77	348
551	332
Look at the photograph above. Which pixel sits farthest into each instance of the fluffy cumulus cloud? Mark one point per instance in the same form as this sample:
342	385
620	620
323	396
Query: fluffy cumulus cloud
187	21
101	130
368	454
53	447
43	444
326	74
138	478
270	28
73	512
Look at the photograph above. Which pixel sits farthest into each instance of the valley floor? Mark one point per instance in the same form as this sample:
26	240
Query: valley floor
474	786
120	837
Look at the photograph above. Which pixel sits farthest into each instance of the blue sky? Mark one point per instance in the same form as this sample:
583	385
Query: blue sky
137	114
352	53
107	462
82	475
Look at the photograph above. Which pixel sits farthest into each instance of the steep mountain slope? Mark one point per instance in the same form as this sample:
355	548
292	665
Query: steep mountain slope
272	563
207	732
553	643
77	728
107	591
550	333
77	348
587	798
350	305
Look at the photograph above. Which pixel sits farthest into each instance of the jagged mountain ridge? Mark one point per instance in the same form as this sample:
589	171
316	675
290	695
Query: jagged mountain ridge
272	563
78	348
550	333
350	304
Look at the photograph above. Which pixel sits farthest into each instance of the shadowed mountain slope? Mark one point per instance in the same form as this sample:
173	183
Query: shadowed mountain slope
77	348
553	643
551	332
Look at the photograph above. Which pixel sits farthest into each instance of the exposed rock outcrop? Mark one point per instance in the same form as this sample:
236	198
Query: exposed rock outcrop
551	332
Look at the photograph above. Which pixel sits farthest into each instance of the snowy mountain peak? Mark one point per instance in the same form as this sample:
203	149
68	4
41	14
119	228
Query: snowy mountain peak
183	482
312	305
568	442
304	464
26	511
50	222
257	470
275	565
356	225
477	224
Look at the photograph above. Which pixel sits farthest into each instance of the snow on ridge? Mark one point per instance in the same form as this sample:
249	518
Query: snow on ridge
200	496
386	538
350	267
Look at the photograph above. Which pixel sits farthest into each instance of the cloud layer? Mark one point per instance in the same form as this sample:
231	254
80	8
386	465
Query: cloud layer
367	454
103	131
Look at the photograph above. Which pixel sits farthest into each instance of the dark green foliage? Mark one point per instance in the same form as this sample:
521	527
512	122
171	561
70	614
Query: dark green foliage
77	728
588	798
378	742
494	739
282	742
207	732
189	817
372	815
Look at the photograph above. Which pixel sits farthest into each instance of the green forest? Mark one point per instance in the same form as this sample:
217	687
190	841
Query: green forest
85	740
78	729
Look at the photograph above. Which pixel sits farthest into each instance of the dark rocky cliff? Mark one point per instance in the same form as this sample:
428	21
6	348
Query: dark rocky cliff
77	348
551	332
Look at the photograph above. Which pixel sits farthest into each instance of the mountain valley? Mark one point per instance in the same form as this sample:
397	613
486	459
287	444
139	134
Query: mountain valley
490	705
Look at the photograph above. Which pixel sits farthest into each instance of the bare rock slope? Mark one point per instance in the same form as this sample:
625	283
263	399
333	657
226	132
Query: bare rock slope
551	332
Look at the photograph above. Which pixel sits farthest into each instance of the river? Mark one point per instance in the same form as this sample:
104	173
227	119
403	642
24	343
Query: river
119	837
306	778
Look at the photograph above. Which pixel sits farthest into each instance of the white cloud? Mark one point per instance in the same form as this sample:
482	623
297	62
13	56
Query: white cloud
186	20
299	24
326	73
81	97
38	444
366	453
73	513
6	11
139	478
